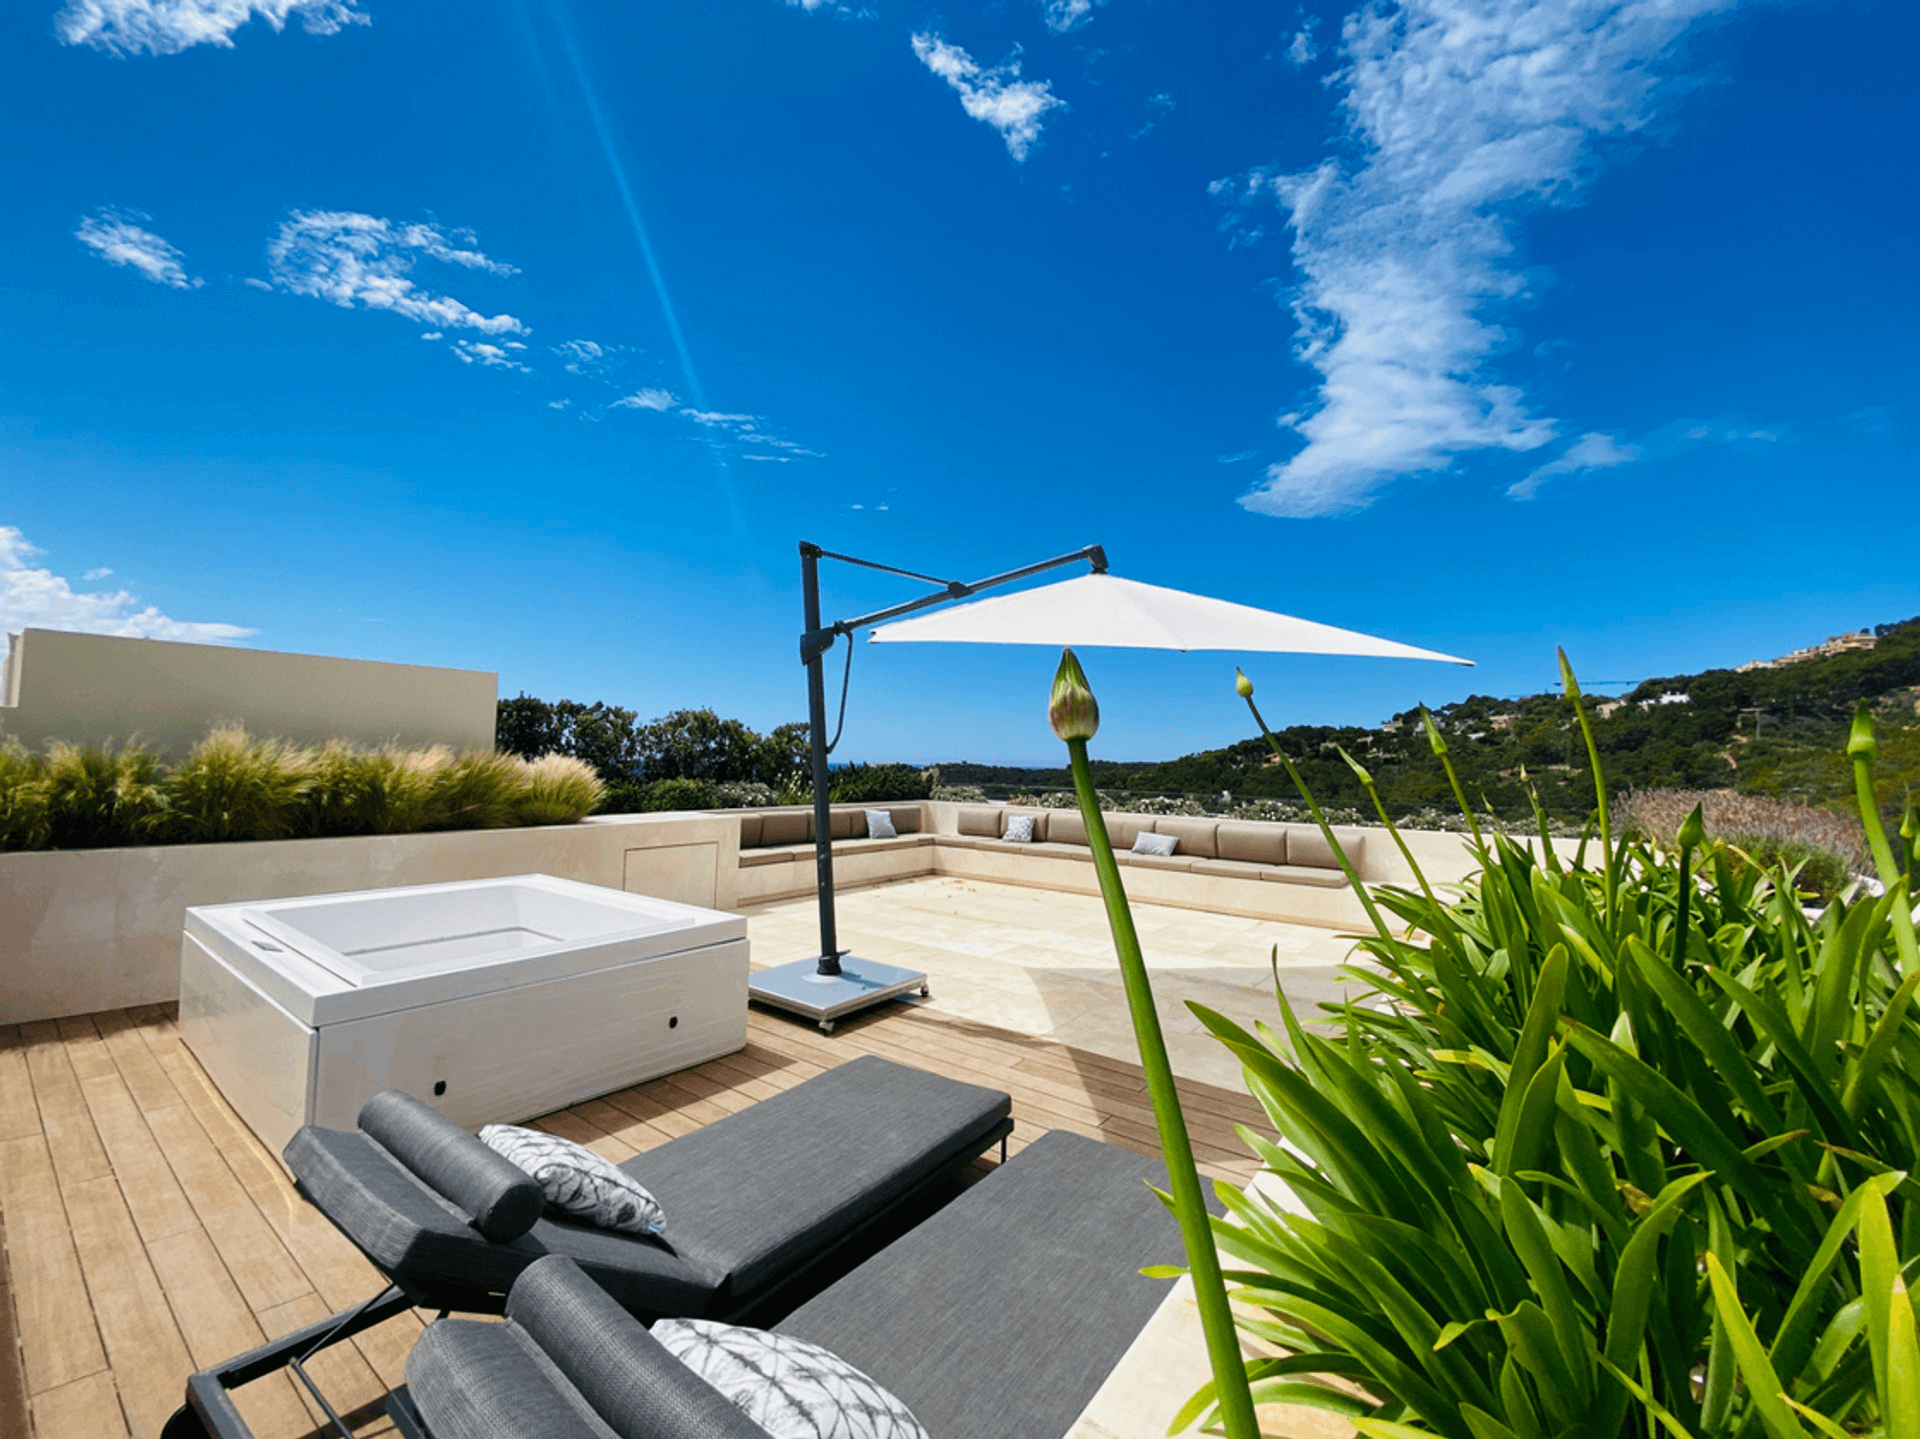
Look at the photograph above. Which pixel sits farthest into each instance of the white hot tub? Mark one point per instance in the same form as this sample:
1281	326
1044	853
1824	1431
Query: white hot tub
493	999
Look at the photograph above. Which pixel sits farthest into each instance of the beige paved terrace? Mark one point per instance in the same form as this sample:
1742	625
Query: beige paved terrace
1039	962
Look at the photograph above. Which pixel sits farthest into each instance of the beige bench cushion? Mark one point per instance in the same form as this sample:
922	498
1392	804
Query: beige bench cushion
1196	836
1306	845
1251	842
750	829
1179	862
1301	874
1229	868
1065	826
980	819
786	826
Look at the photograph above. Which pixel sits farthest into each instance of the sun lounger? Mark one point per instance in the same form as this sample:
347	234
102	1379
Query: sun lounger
762	1206
998	1318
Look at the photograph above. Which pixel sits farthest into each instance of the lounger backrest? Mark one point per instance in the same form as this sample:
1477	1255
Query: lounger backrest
632	1382
502	1200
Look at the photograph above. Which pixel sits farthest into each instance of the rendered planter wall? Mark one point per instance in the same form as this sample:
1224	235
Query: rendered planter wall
85	930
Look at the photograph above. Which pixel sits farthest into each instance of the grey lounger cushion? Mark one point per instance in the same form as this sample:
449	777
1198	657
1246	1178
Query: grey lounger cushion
1000	1316
749	1198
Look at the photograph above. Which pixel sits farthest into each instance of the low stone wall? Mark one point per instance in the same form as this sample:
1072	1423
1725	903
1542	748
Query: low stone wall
85	930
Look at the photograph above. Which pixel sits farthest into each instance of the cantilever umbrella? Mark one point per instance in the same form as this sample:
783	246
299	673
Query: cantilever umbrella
1095	610
1103	609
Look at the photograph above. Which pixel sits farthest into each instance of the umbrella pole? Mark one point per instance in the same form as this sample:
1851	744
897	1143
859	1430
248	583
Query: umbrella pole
817	753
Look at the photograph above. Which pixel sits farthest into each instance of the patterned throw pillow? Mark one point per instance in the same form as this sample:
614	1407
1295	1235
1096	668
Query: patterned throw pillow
1160	844
791	1389
880	825
1019	828
577	1181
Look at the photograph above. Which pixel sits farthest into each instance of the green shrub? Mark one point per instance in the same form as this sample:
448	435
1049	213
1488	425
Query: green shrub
743	794
559	790
340	796
235	787
665	795
1816	874
878	784
23	798
403	786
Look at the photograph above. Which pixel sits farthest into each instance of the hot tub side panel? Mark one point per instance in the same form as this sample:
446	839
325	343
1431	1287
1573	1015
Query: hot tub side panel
259	1057
517	1053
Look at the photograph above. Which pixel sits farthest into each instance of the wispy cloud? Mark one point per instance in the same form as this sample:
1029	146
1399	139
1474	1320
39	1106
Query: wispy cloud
166	27
1466	113
587	358
1065	16
493	357
114	237
32	595
349	259
1302	50
1592	451
649	399
997	96
1237	459
1595	451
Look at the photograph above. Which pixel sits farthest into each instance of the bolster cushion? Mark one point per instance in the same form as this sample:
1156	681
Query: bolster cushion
502	1200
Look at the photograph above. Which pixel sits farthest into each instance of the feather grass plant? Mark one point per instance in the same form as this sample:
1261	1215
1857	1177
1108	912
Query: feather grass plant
559	790
234	786
96	797
23	798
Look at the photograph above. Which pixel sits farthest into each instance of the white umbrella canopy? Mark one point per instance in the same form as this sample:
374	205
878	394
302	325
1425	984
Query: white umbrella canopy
1103	609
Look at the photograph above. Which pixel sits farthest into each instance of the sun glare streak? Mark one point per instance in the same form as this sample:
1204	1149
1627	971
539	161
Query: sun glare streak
616	167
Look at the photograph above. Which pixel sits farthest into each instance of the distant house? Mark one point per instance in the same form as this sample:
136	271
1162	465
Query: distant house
1606	709
1832	645
1505	721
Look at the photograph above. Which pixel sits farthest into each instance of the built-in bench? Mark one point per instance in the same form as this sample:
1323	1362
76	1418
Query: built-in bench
1266	870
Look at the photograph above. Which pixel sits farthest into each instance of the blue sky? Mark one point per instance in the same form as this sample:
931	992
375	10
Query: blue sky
531	337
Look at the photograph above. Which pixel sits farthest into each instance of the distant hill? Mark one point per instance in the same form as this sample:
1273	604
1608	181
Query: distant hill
1777	731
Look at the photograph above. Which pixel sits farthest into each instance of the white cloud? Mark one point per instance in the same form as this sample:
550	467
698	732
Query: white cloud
558	404
998	97
1466	113
97	574
31	595
493	357
349	259
112	235
650	399
1589	452
1302	50
166	27
1064	16
588	358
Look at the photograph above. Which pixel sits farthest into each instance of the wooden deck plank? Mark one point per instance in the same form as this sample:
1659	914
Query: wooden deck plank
247	1244
19	1114
217	1324
58	1340
346	1379
77	1153
143	1343
569	1125
85	1409
160	1205
145	1080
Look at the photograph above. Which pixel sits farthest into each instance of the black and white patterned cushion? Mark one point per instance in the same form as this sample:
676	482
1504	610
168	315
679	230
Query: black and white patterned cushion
577	1181
880	824
1160	844
790	1388
1019	828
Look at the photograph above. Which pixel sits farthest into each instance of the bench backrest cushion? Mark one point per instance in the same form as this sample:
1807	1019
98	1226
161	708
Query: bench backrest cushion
501	1199
1307	846
1066	826
980	819
1251	842
846	824
1123	829
750	824
1196	836
1039	818
786	826
906	818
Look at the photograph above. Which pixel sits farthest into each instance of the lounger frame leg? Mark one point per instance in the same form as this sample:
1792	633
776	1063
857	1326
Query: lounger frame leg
207	1397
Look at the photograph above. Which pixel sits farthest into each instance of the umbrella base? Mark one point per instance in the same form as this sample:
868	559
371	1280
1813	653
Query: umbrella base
800	988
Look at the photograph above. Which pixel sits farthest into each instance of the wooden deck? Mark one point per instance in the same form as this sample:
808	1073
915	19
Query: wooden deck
145	1233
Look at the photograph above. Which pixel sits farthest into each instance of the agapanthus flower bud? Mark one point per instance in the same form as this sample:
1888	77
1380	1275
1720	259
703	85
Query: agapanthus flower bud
1242	686
1073	711
1566	676
1860	742
1693	830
